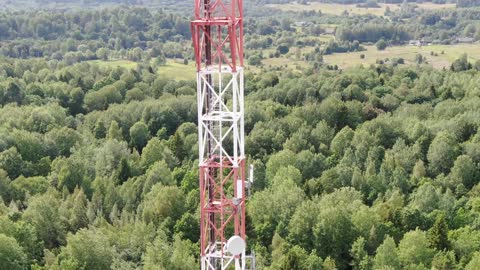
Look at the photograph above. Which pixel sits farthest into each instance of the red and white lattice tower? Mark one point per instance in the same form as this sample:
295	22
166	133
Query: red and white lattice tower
217	32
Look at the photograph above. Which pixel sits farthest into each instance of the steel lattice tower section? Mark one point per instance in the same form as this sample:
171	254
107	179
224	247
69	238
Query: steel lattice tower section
217	33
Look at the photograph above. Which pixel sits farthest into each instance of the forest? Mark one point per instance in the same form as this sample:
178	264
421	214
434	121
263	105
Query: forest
367	168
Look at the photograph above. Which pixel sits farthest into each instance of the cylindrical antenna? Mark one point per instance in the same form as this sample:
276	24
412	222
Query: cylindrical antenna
250	173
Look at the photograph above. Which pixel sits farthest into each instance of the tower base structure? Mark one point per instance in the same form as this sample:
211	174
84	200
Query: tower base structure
215	262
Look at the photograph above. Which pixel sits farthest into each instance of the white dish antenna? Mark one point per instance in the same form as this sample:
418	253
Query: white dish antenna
236	245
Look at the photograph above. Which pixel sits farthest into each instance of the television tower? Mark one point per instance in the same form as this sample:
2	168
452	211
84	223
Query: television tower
217	33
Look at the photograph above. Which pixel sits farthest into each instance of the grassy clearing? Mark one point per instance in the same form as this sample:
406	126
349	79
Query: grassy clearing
326	38
115	63
173	69
433	6
176	70
288	61
408	53
338	9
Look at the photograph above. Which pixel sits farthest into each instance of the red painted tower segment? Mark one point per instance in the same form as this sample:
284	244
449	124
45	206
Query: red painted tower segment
217	33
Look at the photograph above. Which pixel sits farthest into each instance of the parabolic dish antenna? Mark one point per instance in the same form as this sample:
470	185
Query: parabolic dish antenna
235	245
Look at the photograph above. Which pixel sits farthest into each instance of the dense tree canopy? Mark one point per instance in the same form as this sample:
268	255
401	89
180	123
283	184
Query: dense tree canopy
365	168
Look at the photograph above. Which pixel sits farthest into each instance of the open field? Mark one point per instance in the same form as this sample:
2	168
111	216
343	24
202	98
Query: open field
338	9
325	37
408	53
115	63
290	62
175	69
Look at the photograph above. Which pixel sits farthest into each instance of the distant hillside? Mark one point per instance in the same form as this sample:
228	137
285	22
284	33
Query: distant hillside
347	2
72	4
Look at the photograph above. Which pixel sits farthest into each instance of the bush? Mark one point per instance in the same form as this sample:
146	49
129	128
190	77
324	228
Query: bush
255	60
461	64
381	45
283	49
419	58
477	65
342	47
